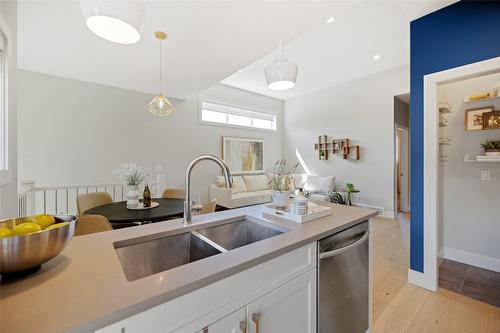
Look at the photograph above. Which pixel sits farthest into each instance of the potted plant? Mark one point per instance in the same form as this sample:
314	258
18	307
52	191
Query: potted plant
281	182
491	147
132	176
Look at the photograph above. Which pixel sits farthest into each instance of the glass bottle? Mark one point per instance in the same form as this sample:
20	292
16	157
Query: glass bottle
146	196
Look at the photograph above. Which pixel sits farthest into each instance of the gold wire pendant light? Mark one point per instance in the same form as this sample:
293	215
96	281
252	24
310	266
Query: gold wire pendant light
160	105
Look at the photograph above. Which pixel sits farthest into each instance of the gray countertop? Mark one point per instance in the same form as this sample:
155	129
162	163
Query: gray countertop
85	289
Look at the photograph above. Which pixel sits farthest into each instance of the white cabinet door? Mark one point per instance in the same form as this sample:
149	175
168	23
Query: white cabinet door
234	323
290	308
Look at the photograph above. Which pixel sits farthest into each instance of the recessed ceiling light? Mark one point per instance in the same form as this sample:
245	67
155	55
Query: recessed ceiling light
240	70
330	20
377	57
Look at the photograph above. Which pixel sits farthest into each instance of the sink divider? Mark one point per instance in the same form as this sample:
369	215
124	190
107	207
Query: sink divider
209	241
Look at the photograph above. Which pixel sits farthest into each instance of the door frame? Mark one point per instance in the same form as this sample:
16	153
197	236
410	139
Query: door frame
429	278
396	174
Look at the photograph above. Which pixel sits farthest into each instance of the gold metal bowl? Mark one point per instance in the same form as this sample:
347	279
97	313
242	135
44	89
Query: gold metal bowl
29	251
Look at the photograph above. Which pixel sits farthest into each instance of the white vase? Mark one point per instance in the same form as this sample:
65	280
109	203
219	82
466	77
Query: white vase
133	196
492	153
280	198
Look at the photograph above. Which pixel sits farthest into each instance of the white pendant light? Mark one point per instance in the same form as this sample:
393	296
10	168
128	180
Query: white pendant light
116	21
282	73
160	105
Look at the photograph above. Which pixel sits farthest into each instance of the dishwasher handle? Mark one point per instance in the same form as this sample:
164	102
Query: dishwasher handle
329	254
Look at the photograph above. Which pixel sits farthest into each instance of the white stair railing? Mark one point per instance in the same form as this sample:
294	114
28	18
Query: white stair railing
54	200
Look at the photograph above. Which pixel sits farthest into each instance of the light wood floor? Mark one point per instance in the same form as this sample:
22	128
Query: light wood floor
401	307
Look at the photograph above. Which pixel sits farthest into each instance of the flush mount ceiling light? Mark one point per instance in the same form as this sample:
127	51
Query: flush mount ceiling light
160	105
330	20
115	21
377	57
282	73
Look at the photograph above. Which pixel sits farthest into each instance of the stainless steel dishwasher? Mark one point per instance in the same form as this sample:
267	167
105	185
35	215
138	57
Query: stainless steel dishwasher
343	281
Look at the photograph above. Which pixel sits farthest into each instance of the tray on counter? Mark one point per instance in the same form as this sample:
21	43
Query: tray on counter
314	212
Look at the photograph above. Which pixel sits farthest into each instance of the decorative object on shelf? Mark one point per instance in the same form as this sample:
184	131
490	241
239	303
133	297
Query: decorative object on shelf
443	122
478	97
282	73
243	156
474	118
495	90
336	146
281	183
160	105
444	108
116	21
444	141
491	147
491	120
132	176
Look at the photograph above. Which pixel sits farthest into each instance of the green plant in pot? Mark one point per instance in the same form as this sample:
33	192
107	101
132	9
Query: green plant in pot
281	183
491	147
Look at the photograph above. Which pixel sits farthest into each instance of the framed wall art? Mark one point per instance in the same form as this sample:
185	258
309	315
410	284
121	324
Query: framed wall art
243	156
474	118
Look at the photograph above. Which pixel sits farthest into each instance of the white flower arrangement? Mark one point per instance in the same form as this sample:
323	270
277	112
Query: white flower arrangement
130	174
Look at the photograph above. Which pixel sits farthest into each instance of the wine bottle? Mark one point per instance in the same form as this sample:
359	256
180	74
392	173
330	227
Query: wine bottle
146	196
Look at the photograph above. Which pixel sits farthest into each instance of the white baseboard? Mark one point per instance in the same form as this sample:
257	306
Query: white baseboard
478	260
420	280
381	210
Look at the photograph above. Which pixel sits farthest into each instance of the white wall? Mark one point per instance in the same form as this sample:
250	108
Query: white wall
73	132
469	207
8	192
361	110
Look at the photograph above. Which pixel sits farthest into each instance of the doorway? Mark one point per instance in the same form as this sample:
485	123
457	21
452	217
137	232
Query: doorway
401	154
402	169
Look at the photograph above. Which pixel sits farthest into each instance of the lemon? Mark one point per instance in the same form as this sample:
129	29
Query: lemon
4	232
43	220
25	228
57	225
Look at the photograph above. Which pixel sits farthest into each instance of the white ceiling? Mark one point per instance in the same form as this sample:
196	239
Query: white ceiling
208	41
344	50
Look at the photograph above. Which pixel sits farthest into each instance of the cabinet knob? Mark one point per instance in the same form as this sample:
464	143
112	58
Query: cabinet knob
255	319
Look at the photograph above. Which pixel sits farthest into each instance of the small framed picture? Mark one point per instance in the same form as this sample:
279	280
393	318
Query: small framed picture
491	120
474	118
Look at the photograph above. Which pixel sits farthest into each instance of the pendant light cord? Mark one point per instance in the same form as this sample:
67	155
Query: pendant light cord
161	66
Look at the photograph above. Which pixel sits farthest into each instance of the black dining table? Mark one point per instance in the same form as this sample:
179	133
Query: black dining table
118	214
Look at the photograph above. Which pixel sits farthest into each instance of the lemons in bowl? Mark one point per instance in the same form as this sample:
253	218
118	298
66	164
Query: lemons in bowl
32	224
25	228
43	220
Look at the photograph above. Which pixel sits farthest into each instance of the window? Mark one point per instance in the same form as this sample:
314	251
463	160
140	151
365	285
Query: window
3	105
230	115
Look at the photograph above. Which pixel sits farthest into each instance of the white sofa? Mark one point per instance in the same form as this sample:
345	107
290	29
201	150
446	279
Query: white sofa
255	189
247	190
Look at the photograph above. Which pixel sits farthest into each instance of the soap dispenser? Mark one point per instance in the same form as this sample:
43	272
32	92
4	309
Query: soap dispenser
300	203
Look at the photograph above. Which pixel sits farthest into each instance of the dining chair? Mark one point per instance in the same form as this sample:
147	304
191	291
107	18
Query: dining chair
174	193
90	224
87	201
207	207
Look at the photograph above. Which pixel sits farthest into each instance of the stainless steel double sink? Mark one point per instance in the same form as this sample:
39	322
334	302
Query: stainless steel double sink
152	254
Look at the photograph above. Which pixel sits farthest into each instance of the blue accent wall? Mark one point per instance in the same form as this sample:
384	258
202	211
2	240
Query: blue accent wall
460	34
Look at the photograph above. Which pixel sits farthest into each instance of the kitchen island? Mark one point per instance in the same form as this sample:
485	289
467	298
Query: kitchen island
86	289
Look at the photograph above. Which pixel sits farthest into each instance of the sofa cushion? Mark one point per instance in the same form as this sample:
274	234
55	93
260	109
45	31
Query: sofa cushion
299	180
239	185
251	198
319	184
256	182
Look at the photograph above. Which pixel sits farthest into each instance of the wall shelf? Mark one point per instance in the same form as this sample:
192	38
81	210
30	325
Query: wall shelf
467	159
496	98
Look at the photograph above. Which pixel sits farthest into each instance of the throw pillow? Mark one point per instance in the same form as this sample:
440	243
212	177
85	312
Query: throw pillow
239	185
256	182
319	184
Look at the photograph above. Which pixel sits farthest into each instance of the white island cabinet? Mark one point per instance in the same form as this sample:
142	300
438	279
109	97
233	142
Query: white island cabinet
278	295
